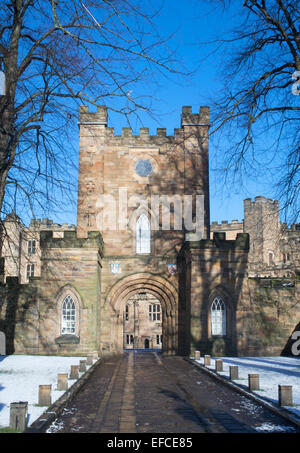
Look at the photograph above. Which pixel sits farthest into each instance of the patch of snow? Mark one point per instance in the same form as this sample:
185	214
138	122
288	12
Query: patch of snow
252	408
273	371
269	427
20	377
55	427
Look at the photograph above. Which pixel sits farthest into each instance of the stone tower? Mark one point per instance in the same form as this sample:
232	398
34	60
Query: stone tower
109	175
129	180
263	225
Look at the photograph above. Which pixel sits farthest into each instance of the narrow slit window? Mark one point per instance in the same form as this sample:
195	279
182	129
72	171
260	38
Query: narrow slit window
143	235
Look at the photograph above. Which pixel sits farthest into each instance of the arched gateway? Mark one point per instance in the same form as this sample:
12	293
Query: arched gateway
159	287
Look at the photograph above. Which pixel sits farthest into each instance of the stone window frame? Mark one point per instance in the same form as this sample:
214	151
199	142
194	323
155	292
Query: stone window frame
218	302
129	339
69	307
135	215
228	300
63	293
140	247
31	246
30	268
154	312
145	154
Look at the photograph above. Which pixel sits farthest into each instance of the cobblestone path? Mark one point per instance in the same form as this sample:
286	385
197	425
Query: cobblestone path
145	392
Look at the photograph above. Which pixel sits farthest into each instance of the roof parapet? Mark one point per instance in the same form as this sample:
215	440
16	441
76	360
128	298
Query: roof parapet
194	119
99	117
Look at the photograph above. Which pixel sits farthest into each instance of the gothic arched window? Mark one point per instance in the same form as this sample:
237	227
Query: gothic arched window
68	314
218	317
143	235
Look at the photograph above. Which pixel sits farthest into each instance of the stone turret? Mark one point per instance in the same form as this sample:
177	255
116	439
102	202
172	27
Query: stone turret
263	225
92	118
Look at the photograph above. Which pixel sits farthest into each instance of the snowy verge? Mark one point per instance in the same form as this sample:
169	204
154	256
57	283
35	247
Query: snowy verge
20	377
273	371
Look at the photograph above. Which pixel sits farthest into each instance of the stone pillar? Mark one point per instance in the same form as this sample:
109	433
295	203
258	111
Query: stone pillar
169	334
62	381
45	395
206	360
82	366
233	372
18	415
219	365
74	372
197	355
89	360
285	395
253	381
2	344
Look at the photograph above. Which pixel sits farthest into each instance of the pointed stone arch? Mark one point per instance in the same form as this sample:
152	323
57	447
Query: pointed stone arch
161	288
227	296
61	296
136	214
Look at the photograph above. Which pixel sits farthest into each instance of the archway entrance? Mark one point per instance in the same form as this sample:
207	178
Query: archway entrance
153	285
142	322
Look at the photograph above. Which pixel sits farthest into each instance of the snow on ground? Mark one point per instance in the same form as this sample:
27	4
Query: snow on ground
273	371
20	377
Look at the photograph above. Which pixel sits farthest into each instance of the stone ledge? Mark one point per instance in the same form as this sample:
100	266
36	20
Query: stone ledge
71	240
52	412
258	399
67	339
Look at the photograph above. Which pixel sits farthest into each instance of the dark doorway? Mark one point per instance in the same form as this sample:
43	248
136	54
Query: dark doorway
146	343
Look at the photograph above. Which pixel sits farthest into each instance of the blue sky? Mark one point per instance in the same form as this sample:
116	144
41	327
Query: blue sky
194	22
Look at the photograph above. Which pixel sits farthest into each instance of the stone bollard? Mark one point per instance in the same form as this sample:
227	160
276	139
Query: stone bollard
89	360
95	355
197	355
74	372
285	395
62	381
233	372
206	360
219	365
82	366
253	381
18	415
45	395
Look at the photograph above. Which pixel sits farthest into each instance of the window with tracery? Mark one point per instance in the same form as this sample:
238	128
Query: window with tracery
143	235
68	313
218	317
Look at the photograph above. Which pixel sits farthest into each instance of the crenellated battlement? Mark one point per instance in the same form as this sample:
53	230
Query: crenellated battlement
294	227
234	225
70	240
260	200
188	118
100	118
92	118
48	224
231	230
